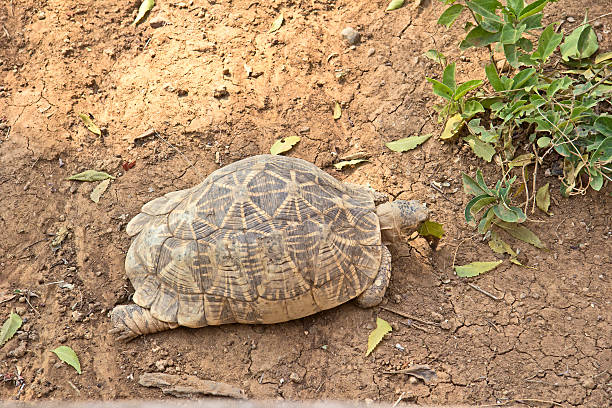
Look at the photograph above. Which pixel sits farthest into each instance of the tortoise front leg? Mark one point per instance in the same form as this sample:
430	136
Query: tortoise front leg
131	321
373	295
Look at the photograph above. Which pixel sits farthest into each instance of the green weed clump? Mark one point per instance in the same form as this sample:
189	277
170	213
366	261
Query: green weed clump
549	96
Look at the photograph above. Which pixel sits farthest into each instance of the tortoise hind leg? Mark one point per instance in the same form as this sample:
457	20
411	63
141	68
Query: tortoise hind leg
373	295
131	321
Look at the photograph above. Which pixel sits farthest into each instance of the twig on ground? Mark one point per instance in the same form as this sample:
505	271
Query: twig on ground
399	399
407	316
484	292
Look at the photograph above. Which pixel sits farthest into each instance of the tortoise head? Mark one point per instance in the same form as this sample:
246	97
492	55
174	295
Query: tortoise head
400	218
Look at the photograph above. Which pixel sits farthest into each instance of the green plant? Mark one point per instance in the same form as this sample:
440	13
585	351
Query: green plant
496	200
538	107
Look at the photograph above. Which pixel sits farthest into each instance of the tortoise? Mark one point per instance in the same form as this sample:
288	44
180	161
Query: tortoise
263	240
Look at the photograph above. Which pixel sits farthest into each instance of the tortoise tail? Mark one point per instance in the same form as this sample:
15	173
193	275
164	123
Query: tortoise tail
131	321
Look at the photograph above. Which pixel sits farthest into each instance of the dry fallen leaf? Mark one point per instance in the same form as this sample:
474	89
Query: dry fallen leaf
376	335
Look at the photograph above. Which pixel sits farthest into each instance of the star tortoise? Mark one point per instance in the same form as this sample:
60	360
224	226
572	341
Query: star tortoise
266	239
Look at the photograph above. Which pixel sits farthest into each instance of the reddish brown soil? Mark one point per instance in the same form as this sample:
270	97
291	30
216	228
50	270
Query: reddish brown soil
548	339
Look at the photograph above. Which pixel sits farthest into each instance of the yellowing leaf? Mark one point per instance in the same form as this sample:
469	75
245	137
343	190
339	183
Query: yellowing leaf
395	4
522	161
431	229
10	327
99	190
481	149
337	111
543	198
284	144
520	232
68	356
91	175
353	162
475	268
500	246
277	23
376	335
407	143
89	124
144	8
453	126
603	57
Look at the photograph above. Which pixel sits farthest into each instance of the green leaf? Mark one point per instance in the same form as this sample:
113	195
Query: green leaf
484	150
533	22
476	204
376	335
10	327
603	153
587	42
448	77
143	10
489	136
479	37
596	181
522	77
493	78
277	23
470	186
100	189
482	184
450	15
486	8
500	246
89	124
466	87
440	89
344	163
543	198
453	126
510	34
511	54
475	268
581	43
284	144
516	6
509	214
91	175
532	9
548	43
395	4
544	141
407	143
603	125
557	85
68	356
524	44
431	229
337	111
436	56
521	232
486	221
471	108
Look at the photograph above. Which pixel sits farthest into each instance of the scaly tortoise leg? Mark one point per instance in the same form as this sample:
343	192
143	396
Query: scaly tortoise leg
373	295
131	321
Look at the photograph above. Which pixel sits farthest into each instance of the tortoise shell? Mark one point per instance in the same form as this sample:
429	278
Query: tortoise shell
266	239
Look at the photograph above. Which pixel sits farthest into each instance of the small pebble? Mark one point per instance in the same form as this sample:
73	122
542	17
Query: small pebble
571	20
295	378
371	52
351	36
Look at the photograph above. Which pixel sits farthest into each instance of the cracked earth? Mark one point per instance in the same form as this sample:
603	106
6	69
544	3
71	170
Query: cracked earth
218	87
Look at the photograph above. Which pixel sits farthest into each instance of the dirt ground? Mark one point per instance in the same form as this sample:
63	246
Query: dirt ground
219	87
